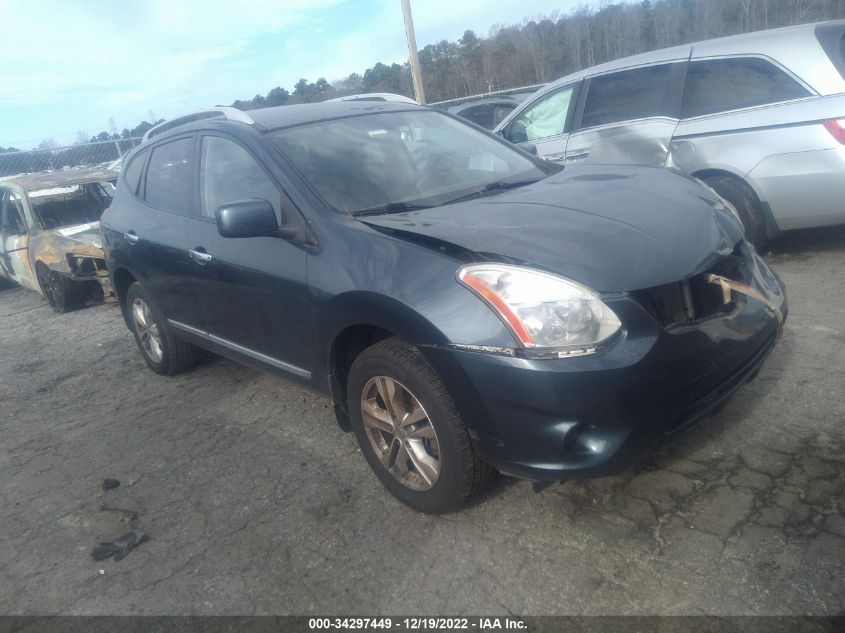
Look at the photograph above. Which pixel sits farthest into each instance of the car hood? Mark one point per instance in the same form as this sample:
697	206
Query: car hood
83	239
612	228
54	245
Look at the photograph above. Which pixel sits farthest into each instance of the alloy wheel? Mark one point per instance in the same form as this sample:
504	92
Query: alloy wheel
147	329
400	433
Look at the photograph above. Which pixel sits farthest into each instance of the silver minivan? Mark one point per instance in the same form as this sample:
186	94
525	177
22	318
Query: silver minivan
759	117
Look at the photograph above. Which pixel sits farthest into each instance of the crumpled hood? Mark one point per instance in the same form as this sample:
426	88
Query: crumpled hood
81	239
613	228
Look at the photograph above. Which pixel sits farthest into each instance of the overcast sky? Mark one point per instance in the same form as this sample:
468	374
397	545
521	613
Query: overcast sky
69	66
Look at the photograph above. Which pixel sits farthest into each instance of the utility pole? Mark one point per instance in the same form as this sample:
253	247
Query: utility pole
419	92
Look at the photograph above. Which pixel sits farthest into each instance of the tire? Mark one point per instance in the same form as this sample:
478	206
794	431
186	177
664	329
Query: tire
62	294
164	353
437	433
745	201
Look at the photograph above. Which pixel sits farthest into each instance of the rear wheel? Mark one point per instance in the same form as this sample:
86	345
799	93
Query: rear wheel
164	353
745	201
62	294
410	430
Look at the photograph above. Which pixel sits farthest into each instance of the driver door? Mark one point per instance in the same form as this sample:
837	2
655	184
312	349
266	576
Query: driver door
545	123
14	246
252	290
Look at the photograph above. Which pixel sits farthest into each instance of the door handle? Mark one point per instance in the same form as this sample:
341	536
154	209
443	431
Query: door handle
199	255
555	158
131	237
578	156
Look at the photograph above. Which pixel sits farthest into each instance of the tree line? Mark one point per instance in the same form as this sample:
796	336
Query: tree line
545	47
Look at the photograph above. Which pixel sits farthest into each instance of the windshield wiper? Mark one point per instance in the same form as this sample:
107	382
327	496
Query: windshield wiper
499	185
391	207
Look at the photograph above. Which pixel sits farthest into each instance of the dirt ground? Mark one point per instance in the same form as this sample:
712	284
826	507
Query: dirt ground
256	503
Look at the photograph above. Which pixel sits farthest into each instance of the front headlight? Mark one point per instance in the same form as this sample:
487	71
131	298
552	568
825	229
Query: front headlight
549	315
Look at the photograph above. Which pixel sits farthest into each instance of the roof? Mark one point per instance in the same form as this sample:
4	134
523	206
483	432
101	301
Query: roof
786	44
375	96
511	99
283	116
49	180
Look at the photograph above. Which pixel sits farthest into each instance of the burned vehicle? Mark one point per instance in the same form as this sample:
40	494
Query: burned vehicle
50	234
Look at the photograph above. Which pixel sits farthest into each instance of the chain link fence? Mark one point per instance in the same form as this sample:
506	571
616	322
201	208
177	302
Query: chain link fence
103	153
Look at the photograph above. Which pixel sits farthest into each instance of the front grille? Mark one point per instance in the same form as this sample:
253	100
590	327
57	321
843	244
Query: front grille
694	299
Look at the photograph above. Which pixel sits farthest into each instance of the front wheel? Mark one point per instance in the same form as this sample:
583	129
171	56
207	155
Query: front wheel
164	353
410	430
62	294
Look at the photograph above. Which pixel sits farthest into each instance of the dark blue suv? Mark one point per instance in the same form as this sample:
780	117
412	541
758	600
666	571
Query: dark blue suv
468	307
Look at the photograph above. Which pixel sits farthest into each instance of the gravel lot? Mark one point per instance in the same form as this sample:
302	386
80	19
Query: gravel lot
256	503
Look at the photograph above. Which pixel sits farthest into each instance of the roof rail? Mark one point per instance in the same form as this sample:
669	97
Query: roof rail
224	112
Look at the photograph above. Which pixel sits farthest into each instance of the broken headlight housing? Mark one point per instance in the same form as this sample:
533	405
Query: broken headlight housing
550	316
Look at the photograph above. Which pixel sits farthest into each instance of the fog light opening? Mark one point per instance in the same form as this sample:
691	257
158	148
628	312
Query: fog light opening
571	437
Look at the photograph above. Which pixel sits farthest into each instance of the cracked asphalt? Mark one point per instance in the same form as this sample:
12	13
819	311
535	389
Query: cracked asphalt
256	503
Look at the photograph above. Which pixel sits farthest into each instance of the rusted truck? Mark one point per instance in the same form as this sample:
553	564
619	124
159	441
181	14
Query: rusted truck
50	234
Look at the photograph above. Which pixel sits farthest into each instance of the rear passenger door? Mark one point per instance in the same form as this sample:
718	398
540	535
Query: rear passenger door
628	116
545	123
252	290
738	110
154	230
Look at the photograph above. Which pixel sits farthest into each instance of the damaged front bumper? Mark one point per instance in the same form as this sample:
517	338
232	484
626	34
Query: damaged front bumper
596	415
88	268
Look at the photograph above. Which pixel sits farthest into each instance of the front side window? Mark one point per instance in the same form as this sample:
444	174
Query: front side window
629	94
227	173
417	157
169	182
544	118
720	85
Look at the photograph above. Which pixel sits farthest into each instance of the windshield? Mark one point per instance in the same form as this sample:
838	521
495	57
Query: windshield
70	205
398	160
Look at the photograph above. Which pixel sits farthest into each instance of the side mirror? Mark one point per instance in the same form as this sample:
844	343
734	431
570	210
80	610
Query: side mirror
252	217
529	148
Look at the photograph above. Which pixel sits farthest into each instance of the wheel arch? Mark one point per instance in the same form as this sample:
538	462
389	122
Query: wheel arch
122	279
772	228
369	318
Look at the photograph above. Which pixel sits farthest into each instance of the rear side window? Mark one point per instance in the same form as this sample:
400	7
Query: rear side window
170	176
720	85
480	115
132	173
831	37
629	94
